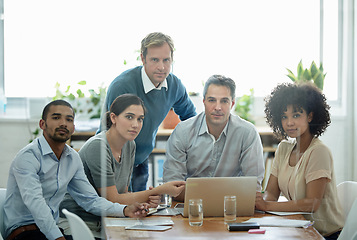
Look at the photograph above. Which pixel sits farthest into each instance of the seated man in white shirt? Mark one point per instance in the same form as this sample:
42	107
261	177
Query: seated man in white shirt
214	143
41	174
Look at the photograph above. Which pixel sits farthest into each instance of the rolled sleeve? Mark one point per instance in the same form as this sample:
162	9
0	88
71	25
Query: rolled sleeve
322	165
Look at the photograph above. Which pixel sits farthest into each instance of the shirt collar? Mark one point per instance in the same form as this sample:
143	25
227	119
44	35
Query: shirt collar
46	148
204	127
148	85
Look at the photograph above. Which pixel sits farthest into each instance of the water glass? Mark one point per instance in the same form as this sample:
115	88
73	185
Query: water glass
195	212
165	201
230	205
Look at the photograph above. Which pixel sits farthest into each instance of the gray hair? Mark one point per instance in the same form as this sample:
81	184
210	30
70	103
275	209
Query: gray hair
221	81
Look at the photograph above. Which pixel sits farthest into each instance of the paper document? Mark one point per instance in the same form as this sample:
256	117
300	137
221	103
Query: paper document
167	212
287	213
280	222
127	222
148	228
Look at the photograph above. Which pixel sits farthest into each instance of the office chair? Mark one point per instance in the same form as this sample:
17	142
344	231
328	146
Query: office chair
349	231
347	193
78	227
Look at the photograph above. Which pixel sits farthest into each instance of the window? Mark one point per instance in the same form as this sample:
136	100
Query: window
253	42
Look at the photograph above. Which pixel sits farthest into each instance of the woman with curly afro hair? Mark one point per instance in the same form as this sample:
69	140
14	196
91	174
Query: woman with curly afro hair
303	167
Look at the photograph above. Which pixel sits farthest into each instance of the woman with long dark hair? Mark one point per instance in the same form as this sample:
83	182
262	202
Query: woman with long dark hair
116	147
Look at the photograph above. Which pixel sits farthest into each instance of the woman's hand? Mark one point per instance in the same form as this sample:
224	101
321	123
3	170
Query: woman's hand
136	210
173	188
154	201
260	203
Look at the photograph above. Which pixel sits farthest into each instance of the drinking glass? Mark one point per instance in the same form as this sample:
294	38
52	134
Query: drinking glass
230	205
166	200
195	212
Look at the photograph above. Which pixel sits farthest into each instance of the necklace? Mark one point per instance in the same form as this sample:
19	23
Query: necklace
118	159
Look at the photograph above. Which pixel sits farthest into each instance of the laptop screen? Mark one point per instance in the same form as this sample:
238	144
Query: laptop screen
213	189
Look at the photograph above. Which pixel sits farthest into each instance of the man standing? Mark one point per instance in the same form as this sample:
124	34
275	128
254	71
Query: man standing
43	172
215	143
159	89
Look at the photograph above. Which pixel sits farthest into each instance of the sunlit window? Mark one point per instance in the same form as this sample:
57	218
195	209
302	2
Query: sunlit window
252	42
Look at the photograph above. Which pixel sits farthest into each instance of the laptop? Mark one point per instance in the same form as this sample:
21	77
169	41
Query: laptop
213	189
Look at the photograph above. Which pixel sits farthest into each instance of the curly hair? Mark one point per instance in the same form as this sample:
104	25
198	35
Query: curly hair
301	96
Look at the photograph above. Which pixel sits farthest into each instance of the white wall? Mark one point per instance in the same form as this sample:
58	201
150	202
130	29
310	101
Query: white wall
15	134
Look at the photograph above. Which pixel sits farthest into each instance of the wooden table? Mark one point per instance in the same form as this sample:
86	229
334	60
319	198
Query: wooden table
214	228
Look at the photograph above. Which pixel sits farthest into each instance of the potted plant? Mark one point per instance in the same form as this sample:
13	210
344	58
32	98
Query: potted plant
313	74
243	106
84	107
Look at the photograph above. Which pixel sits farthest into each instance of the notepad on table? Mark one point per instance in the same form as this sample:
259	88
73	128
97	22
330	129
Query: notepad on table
286	213
280	222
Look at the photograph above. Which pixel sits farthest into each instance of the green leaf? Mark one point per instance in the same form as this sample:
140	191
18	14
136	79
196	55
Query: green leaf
243	106
300	70
291	75
306	76
95	116
321	68
125	62
71	97
93	93
83	82
313	69
293	78
80	93
58	95
290	72
319	81
95	101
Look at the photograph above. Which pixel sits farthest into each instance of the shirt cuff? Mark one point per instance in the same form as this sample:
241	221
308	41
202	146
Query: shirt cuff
124	211
119	210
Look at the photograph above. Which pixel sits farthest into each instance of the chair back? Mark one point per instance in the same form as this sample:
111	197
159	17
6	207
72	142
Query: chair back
347	193
78	227
2	202
349	231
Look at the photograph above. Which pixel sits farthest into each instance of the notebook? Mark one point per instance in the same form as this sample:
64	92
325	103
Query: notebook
213	189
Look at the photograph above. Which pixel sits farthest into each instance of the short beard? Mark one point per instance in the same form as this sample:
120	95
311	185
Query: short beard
59	139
